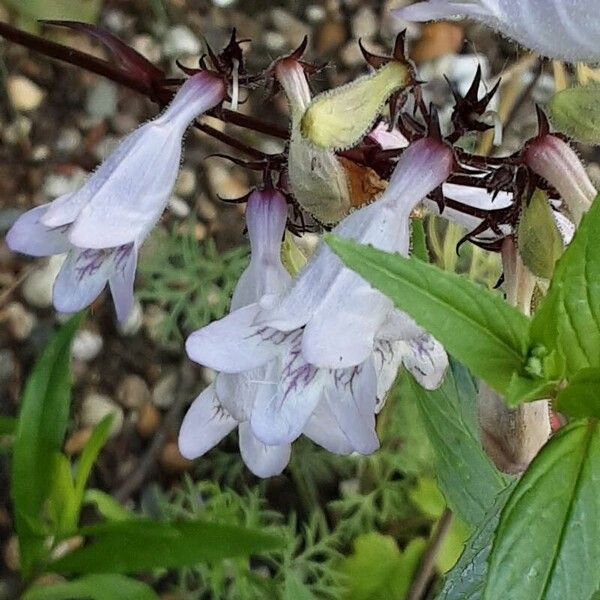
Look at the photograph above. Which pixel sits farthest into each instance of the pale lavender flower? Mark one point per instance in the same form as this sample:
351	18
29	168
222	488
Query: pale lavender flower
265	385
102	225
562	29
341	314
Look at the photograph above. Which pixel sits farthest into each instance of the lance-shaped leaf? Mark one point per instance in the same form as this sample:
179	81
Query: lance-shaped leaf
340	118
546	546
39	437
94	587
467	579
465	474
576	112
581	397
568	319
141	545
475	325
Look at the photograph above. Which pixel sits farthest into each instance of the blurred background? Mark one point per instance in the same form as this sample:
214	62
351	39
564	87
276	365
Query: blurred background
350	523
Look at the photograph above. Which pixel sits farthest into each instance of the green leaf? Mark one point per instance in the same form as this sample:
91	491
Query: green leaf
67	10
581	397
8	425
547	540
88	458
465	474
576	112
467	578
294	588
107	506
539	240
493	340
568	318
418	240
94	587
377	570
40	432
62	500
141	545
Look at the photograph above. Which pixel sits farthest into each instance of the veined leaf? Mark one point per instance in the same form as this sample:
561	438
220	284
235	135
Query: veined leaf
141	545
81	10
576	112
8	425
466	476
568	319
547	540
474	325
466	580
40	432
94	587
581	398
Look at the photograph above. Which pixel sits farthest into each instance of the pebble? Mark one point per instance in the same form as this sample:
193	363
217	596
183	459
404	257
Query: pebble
274	41
315	13
59	185
86	345
292	28
132	325
76	441
18	130
7	366
186	182
181	40
209	375
164	392
206	209
96	406
101	100
148	420
172	461
365	23
133	392
179	207
40	153
12	555
19	320
105	147
147	47
37	288
24	94
153	318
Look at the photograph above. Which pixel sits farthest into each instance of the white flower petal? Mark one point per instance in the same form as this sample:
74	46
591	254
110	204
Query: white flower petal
352	401
281	411
122	280
427	361
234	344
561	29
262	460
29	236
205	425
387	359
82	277
323	429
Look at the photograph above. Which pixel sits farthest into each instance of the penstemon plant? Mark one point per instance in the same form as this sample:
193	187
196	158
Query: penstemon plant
312	349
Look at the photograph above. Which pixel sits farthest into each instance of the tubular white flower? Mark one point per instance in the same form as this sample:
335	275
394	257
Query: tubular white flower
102	225
562	29
553	159
267	387
340	312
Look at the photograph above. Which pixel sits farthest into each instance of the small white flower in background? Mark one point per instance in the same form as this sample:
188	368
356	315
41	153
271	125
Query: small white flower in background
553	159
279	383
102	225
562	29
